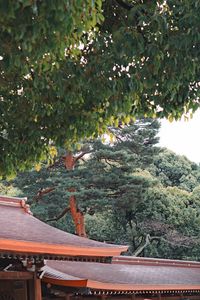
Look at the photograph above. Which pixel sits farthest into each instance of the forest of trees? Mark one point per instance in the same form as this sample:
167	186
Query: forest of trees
127	189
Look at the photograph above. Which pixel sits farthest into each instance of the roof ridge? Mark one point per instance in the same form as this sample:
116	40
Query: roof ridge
15	202
153	261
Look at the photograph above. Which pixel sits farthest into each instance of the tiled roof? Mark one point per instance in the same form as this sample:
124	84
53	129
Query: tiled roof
21	233
124	277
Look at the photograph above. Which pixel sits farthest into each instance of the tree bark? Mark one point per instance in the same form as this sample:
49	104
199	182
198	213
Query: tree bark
77	215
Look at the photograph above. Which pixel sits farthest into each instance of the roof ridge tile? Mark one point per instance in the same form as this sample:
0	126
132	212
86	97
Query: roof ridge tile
15	202
132	260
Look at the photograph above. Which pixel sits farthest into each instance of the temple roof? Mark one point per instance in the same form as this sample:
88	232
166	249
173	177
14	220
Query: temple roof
22	234
139	277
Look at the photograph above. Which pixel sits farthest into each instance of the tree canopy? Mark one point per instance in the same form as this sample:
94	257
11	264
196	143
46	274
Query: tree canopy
69	69
130	191
174	170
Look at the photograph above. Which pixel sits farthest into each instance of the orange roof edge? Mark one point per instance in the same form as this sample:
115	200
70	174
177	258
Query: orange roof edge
142	287
56	249
73	283
96	285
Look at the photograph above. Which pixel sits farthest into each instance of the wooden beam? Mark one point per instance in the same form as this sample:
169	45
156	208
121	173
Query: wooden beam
16	275
37	286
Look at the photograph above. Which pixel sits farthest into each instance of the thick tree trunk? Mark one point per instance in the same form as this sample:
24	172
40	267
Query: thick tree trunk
76	214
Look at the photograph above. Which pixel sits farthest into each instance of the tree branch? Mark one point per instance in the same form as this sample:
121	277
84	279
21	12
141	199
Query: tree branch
43	192
148	240
175	243
62	214
141	248
81	155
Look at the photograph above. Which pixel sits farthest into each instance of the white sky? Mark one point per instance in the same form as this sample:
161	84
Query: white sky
182	137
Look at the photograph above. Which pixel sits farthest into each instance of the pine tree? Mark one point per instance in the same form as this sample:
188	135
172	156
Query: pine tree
114	173
115	176
110	177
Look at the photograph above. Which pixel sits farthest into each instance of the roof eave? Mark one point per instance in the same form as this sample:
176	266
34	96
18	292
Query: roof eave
96	285
37	248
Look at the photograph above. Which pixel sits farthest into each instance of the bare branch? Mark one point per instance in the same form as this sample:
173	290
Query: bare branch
175	243
142	247
149	239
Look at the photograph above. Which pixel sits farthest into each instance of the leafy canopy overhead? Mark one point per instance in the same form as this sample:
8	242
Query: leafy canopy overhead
70	68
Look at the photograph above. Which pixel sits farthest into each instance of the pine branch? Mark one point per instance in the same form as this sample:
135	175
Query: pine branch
42	192
81	155
62	214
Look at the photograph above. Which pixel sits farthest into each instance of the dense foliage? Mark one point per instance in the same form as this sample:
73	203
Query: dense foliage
129	190
172	172
70	68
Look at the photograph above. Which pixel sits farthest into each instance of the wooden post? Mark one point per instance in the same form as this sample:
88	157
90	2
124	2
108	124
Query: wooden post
37	288
159	296
31	289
